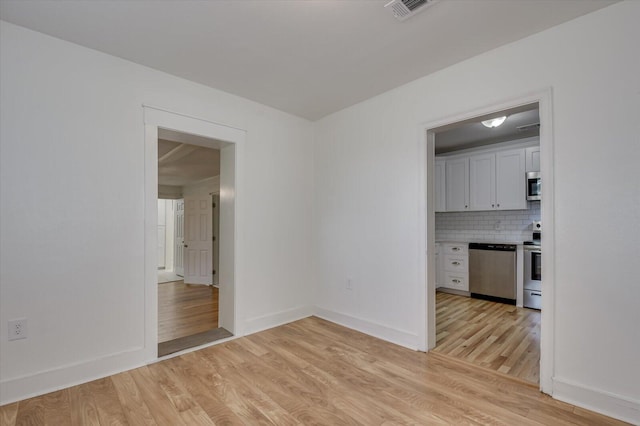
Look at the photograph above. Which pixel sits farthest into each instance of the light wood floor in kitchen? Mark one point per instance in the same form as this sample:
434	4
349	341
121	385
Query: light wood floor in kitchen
307	372
492	335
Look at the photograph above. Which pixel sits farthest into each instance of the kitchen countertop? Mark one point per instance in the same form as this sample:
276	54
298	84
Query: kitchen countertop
517	243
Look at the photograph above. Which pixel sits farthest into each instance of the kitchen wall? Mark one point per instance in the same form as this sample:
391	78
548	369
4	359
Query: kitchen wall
499	225
368	191
73	262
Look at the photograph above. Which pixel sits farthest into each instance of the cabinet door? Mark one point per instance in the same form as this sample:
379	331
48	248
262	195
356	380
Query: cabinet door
482	185
510	180
457	184
439	271
456	281
440	187
532	155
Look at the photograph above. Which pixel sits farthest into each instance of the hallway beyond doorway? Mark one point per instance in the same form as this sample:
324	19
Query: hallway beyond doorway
186	309
167	276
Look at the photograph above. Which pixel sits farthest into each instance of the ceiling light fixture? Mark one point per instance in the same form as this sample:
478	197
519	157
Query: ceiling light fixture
494	122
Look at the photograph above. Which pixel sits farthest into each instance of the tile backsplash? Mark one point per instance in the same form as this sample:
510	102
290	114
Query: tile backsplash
498	225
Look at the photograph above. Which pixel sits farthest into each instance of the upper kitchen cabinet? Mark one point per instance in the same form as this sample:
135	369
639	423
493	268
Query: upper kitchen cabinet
482	183
510	180
532	159
440	187
491	179
457	184
497	181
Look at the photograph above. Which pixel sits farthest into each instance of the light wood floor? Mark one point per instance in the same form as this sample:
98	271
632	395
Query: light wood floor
307	372
185	310
500	337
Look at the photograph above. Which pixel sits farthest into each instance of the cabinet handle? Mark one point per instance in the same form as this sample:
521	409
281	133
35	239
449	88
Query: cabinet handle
456	249
456	281
536	294
492	205
498	205
455	263
466	206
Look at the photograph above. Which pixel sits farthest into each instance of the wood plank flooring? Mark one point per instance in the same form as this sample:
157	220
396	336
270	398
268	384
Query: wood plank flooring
185	310
307	372
186	342
492	335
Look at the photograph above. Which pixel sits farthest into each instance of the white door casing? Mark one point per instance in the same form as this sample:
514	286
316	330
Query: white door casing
231	142
426	194
178	241
198	239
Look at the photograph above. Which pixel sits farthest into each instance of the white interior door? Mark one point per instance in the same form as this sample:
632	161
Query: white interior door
216	238
162	234
198	241
178	241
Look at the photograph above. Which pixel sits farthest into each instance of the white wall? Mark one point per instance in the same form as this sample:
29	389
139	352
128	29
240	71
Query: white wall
74	265
367	171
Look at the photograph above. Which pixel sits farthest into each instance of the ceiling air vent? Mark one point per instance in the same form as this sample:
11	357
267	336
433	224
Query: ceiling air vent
404	9
528	127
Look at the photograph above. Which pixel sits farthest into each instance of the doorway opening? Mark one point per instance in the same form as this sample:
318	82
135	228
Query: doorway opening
191	230
480	228
188	194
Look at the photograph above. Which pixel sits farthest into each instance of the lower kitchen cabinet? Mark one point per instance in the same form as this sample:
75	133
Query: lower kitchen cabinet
454	269
456	281
439	271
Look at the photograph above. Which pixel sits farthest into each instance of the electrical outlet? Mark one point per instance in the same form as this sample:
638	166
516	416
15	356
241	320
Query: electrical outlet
349	284
18	329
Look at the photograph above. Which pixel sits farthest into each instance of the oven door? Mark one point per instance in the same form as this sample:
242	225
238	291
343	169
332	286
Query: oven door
533	186
533	270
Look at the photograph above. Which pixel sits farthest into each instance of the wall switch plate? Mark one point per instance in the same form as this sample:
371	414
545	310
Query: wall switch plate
18	329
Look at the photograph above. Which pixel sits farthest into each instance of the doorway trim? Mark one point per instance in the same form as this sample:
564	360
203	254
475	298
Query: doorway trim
231	142
426	140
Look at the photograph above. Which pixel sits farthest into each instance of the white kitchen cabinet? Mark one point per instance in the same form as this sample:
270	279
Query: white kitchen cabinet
456	263
482	184
440	186
454	258
493	180
454	248
532	159
456	281
457	184
497	181
510	180
439	270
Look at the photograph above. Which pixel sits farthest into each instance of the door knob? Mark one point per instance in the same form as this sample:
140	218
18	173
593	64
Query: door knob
186	245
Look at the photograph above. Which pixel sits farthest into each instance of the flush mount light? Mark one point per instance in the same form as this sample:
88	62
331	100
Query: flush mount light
494	122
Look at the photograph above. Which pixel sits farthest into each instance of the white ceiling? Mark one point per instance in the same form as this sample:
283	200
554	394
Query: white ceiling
471	133
306	57
181	164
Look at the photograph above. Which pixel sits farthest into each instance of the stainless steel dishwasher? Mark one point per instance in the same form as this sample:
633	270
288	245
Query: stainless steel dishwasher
492	272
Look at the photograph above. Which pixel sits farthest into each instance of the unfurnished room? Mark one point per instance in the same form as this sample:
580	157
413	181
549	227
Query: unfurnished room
319	212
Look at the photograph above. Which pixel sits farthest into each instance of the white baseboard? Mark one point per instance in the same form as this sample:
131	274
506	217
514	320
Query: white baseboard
256	324
602	402
399	337
19	388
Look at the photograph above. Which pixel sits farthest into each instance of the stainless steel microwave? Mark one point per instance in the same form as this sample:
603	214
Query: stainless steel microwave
533	186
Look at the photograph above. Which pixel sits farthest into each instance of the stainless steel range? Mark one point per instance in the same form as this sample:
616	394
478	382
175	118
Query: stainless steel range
533	269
